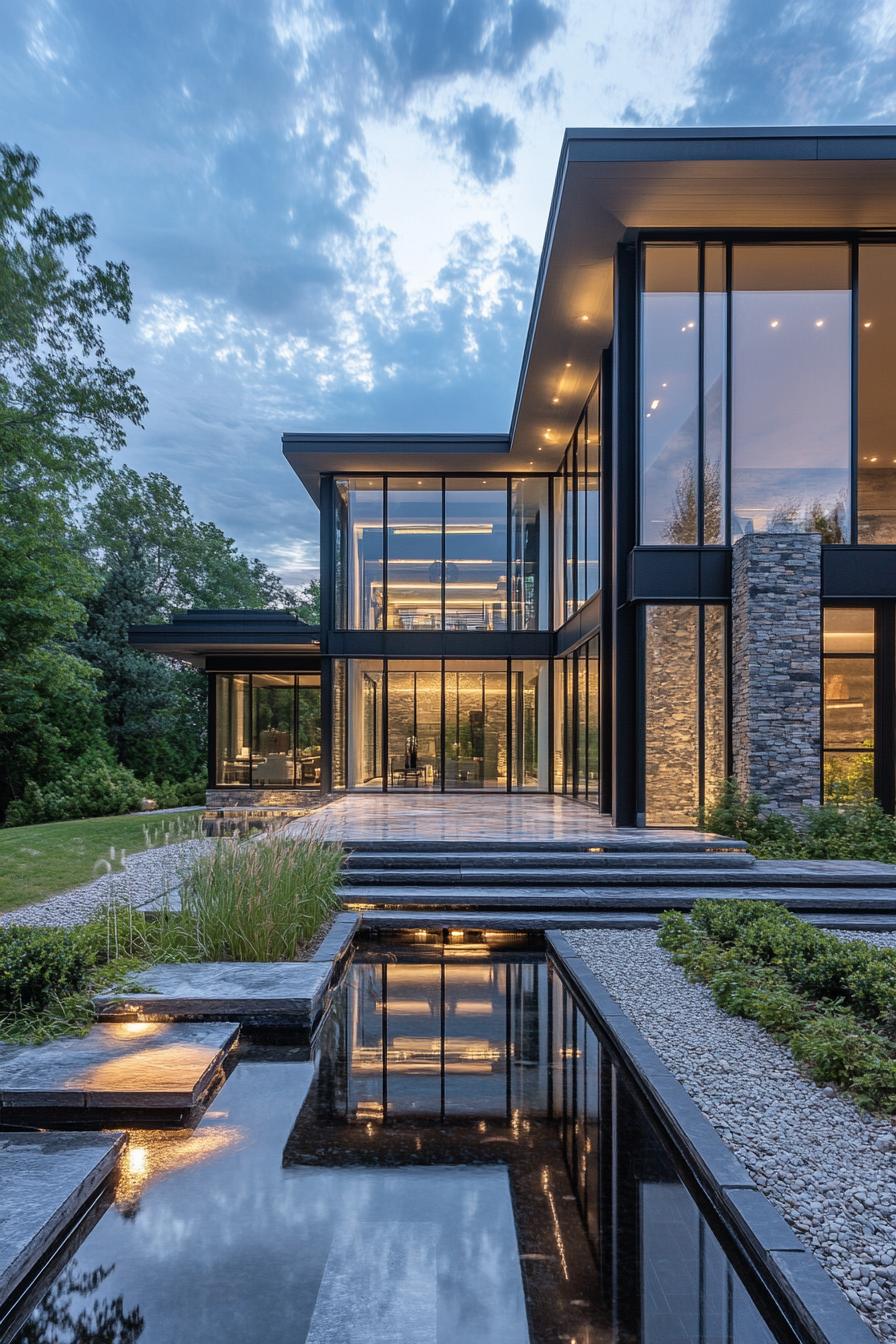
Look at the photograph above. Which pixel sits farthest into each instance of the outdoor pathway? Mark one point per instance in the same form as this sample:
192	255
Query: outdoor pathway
490	818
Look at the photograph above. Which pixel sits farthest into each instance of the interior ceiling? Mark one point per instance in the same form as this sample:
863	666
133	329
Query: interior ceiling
609	182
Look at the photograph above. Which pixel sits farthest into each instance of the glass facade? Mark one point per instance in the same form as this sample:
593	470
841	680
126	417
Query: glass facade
358	530
577	722
848	659
576	491
268	730
685	711
456	553
876	339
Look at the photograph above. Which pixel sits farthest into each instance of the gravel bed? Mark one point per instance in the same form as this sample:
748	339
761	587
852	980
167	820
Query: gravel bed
862	936
828	1167
147	874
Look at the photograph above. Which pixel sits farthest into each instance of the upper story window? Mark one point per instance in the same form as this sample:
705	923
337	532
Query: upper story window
765	398
577	516
876	338
433	553
790	389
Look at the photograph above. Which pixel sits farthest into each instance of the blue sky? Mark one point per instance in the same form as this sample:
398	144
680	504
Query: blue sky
333	210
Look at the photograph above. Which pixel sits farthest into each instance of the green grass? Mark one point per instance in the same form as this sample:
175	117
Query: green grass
38	861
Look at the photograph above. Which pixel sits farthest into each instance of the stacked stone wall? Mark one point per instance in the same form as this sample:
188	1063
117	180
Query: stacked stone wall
776	668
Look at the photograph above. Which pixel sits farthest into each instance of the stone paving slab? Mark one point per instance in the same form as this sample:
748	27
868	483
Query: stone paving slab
45	1182
281	992
124	1068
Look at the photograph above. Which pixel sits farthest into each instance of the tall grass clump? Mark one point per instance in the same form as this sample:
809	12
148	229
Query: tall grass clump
261	900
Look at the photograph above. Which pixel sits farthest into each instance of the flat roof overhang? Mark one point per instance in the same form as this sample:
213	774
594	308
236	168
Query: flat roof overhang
609	182
193	635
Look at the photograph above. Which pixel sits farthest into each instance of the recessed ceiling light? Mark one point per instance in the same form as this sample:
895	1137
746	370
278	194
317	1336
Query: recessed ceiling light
539	447
691	326
866	324
648	415
555	400
654	403
774	322
568	364
872	459
664	384
819	321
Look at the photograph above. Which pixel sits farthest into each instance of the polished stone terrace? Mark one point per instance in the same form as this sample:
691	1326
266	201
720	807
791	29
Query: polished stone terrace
490	818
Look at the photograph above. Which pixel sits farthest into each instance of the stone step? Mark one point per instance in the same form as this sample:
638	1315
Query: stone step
709	879
867	900
447	862
603	842
391	922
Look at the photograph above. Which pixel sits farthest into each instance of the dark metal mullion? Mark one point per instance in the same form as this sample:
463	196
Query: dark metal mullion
384	745
854	394
508	715
251	728
442	556
508	576
442	720
701	383
385	549
701	705
295	727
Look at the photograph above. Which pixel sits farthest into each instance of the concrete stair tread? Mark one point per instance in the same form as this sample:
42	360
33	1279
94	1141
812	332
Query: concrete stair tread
535	921
445	860
856	900
705	878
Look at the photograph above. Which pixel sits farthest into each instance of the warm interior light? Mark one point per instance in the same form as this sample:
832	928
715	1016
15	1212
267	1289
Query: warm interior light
555	400
774	322
568	364
584	317
819	322
654	403
866	324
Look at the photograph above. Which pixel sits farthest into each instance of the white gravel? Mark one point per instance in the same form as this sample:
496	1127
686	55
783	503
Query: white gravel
147	874
828	1167
856	936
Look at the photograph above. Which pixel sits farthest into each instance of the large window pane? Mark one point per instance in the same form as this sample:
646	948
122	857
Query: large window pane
414	511
715	393
365	723
559	717
476	553
308	730
476	726
848	658
593	747
530	570
569	523
415	724
791	389
558	490
591	499
672	778
529	716
273	741
581	513
877	405
670	364
359	553
715	704
232	729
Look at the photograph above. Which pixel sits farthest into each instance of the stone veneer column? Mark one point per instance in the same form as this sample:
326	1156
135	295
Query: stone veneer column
776	668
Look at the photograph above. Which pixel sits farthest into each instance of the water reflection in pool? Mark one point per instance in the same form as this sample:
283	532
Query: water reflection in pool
461	1161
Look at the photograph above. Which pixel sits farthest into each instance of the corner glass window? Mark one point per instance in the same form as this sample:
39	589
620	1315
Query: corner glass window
791	389
877	405
359	553
476	553
670	369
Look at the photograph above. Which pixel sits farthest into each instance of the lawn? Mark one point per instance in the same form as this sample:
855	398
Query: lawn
38	861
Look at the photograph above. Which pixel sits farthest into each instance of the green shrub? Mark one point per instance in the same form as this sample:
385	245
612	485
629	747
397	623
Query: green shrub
38	966
833	1002
177	793
857	828
94	785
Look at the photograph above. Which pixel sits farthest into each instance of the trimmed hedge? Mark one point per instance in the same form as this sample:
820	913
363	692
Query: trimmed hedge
832	1002
38	966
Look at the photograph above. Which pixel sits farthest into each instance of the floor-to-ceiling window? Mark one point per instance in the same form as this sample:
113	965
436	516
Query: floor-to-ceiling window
876	339
685	712
529	567
414	723
577	722
476	553
576	503
414	553
447	724
476	745
358	531
268	729
848	708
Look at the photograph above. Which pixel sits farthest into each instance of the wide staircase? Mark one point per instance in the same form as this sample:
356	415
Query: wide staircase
618	880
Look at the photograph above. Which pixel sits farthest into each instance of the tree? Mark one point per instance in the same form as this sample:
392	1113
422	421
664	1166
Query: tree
64	408
307	604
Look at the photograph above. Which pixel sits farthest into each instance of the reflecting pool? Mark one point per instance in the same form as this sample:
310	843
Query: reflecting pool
460	1159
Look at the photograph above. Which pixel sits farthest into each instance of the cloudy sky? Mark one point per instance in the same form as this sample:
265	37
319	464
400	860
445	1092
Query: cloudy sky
333	209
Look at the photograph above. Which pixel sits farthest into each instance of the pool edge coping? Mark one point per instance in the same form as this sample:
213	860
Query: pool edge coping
811	1300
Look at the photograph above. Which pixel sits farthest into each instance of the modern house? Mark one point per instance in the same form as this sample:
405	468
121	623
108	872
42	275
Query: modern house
679	562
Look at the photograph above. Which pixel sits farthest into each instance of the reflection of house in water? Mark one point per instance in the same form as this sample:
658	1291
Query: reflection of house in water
467	1061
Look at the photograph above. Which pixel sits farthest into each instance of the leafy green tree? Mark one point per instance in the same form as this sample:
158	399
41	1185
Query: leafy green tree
64	408
307	605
